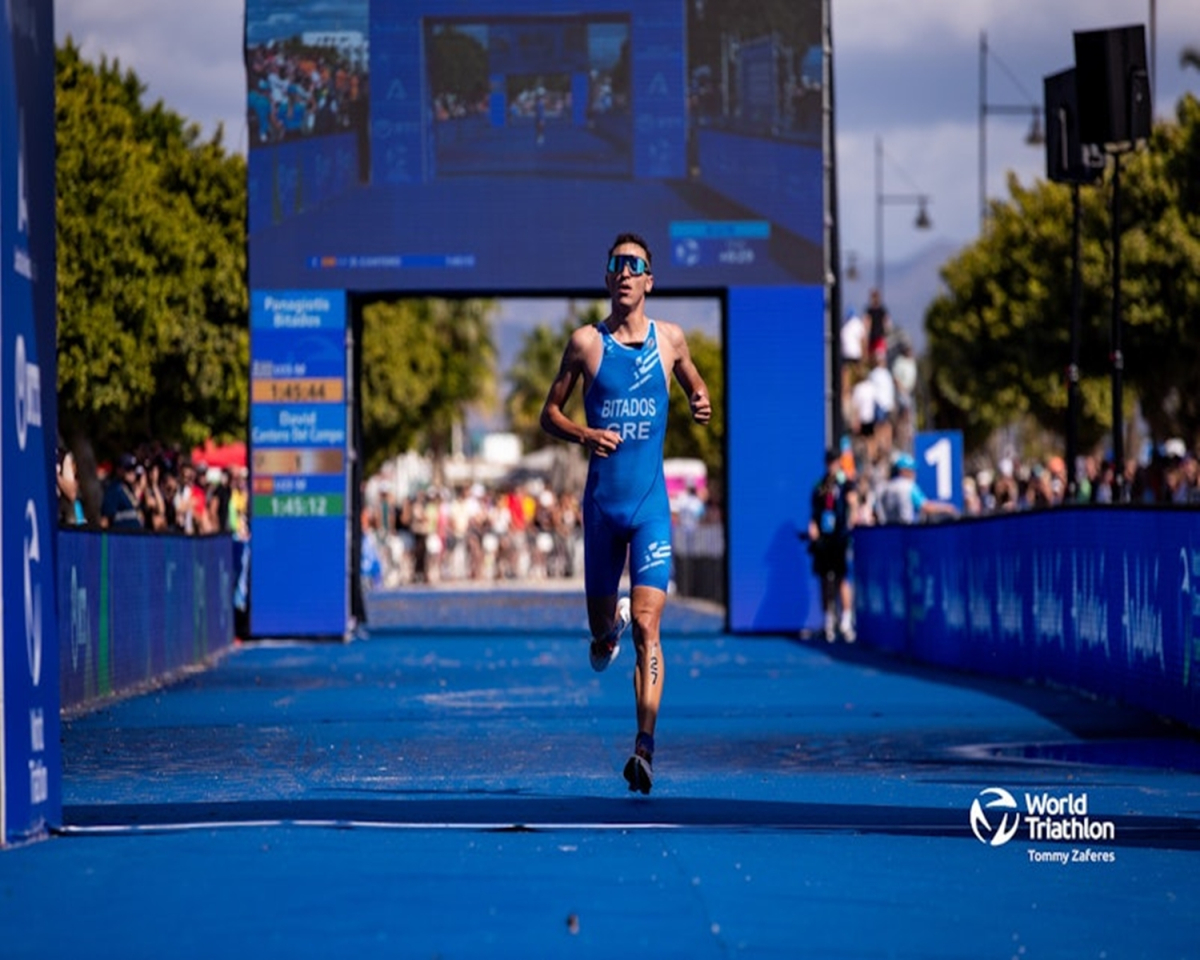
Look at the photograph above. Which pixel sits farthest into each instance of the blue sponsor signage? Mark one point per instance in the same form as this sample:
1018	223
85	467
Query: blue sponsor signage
30	780
1105	600
299	464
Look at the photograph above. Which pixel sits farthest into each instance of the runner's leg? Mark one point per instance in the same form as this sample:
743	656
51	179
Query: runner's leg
649	671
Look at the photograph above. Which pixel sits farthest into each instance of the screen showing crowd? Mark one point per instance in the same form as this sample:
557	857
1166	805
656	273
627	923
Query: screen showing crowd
496	145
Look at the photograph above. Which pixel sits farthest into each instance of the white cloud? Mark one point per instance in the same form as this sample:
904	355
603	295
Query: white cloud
189	55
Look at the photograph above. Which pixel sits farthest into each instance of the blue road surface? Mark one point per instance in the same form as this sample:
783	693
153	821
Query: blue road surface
428	792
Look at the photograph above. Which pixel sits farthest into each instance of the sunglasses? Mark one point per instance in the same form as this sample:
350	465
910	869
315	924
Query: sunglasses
619	261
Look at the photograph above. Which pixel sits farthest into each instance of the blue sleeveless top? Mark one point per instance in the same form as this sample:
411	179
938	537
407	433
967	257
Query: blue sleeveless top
629	396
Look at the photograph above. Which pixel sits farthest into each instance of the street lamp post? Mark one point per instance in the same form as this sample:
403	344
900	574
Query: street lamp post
1034	137
920	200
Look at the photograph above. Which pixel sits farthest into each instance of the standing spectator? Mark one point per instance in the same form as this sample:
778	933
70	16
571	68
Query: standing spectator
903	501
831	509
972	503
854	344
168	482
885	401
863	411
70	508
154	505
121	509
422	529
190	513
239	505
879	323
217	495
904	374
691	509
1103	489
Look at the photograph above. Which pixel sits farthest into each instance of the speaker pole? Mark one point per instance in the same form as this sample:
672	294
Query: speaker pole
1120	494
1073	368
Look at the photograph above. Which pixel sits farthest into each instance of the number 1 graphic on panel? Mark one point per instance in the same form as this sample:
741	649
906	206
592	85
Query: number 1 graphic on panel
940	456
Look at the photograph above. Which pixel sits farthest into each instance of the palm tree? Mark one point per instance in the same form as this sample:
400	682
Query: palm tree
1190	57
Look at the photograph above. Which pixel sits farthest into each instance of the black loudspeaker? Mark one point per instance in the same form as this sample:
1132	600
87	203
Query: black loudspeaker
1113	86
1068	159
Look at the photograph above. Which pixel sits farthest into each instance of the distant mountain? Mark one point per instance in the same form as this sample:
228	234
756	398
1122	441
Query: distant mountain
909	287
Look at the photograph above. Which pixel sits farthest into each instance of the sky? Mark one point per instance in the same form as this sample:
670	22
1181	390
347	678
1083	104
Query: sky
907	75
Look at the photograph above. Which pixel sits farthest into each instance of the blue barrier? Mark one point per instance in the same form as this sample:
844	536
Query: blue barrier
1104	600
134	609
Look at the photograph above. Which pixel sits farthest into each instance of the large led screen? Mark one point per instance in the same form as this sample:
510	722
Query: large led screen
498	145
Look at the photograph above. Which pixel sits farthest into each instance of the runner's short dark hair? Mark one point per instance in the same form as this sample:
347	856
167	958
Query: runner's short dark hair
624	238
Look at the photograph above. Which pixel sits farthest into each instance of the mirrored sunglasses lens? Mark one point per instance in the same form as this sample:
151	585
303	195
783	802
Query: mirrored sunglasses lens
637	266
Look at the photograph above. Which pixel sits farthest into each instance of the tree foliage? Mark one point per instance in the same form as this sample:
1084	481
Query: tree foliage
685	437
458	65
532	372
153	338
999	337
425	362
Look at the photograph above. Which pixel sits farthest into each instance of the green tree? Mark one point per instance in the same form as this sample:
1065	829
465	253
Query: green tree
458	65
532	372
685	437
152	302
425	362
999	336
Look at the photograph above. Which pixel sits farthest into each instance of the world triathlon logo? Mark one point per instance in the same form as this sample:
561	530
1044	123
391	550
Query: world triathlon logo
995	818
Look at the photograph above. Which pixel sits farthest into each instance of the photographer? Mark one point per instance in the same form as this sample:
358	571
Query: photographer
831	510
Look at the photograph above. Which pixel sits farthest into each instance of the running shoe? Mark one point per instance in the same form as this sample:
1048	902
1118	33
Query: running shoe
604	650
639	773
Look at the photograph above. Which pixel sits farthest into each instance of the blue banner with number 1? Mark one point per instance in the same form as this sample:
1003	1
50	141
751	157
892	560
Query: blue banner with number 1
939	456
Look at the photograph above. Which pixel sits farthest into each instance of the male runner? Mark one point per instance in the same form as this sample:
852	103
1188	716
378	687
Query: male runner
626	363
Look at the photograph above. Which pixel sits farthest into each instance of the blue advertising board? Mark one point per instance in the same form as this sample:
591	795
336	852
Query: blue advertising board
1102	599
136	608
299	464
30	778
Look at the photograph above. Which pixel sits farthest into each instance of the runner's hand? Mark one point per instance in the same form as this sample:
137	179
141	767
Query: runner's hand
601	442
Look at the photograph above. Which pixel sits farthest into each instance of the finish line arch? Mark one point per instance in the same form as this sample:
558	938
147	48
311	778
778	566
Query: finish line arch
402	175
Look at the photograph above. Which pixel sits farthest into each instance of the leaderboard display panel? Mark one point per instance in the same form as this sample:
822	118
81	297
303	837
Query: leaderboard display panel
486	145
299	464
461	147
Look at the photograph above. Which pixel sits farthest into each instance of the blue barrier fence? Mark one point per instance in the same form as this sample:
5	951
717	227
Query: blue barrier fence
1105	600
133	609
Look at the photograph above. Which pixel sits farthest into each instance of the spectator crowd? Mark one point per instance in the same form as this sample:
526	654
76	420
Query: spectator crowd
155	489
472	532
306	91
879	380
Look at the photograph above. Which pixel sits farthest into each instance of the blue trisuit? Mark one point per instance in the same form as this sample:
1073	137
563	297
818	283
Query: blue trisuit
625	504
